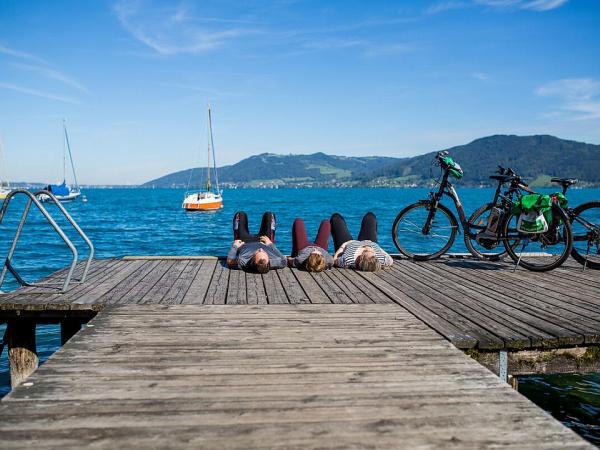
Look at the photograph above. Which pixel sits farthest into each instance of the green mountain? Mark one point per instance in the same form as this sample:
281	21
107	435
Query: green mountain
268	168
536	158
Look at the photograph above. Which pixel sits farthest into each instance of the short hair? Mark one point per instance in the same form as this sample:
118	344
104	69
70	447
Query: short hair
368	263
315	263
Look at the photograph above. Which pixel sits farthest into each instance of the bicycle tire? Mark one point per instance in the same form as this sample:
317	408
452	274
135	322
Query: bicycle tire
479	212
424	256
577	256
562	215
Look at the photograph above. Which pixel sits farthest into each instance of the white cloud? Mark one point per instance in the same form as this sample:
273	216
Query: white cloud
19	54
533	5
36	93
171	30
53	74
579	97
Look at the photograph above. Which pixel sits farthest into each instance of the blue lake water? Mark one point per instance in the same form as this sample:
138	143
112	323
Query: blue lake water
151	222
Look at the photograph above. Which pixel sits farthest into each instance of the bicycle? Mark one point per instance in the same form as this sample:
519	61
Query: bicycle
427	229
585	224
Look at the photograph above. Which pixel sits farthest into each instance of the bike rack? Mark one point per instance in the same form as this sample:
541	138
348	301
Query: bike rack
33	199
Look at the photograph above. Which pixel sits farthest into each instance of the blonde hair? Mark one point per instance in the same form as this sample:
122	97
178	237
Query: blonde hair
368	263
315	263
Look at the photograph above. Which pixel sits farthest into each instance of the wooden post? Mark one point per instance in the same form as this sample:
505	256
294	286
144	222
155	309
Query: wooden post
22	354
68	329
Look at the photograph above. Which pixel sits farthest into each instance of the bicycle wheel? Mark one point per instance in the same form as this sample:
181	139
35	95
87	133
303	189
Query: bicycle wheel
586	234
490	250
408	236
540	252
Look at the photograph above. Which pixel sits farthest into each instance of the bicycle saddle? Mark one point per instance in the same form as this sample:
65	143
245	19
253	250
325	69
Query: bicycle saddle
565	182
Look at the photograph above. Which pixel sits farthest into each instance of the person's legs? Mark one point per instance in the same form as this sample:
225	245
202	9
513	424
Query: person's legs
240	228
339	230
322	239
267	226
299	236
368	228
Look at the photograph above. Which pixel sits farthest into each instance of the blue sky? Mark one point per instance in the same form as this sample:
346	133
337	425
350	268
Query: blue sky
393	78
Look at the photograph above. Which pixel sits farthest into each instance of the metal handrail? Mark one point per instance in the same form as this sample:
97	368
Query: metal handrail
32	199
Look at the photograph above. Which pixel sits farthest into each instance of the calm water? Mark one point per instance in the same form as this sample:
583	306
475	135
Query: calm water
150	222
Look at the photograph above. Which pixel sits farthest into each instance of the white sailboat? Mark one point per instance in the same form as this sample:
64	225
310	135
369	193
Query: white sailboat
63	191
4	184
206	200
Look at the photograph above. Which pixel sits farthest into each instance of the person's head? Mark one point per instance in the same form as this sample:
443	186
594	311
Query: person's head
367	261
315	262
260	262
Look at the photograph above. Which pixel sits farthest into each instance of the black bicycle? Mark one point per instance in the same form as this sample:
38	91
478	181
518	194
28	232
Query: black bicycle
427	229
585	224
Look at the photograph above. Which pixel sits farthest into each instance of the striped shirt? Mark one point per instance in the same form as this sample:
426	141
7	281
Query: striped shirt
348	256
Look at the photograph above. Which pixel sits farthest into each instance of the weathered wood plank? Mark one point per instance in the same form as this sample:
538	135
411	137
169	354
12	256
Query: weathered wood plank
289	376
255	289
197	291
274	289
216	293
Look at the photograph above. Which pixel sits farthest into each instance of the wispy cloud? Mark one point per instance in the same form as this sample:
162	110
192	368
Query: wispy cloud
19	54
533	5
171	30
579	97
52	74
480	76
36	93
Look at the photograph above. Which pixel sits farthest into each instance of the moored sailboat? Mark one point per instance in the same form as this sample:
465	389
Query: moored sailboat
63	191
206	200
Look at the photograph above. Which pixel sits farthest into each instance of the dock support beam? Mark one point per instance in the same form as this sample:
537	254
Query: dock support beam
68	329
22	355
503	365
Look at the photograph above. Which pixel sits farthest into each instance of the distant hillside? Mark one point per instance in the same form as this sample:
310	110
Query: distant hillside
533	157
536	158
283	169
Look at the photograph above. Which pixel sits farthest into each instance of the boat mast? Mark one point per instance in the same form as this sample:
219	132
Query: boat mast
208	152
212	145
70	157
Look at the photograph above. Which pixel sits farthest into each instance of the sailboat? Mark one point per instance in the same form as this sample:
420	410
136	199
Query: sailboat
206	200
4	185
63	191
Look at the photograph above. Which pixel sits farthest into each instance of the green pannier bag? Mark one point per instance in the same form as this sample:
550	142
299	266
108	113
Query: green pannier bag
454	167
535	212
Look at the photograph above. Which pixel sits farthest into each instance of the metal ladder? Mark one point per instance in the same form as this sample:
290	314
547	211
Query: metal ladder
33	198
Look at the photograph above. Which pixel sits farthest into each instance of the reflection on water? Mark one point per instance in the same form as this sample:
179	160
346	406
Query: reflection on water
151	222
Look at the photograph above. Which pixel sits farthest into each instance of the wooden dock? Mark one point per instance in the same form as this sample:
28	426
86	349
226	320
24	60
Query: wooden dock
182	351
261	377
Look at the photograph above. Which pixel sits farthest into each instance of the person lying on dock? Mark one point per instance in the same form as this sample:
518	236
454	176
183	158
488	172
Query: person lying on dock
254	253
362	254
311	256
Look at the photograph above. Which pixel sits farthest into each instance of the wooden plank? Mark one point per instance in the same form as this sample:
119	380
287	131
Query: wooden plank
347	286
217	290
120	291
255	289
236	290
514	329
565	333
457	333
331	289
274	288
197	291
292	288
369	289
311	382
176	293
310	287
165	283
147	282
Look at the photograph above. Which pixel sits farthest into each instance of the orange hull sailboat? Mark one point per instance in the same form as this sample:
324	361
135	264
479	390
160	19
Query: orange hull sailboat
207	200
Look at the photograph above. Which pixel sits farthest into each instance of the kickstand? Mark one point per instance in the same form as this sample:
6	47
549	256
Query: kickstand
587	255
520	254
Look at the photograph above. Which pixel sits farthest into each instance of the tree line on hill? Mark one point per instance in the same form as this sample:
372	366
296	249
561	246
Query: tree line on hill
536	158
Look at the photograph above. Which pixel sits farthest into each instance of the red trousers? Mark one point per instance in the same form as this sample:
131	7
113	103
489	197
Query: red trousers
300	237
